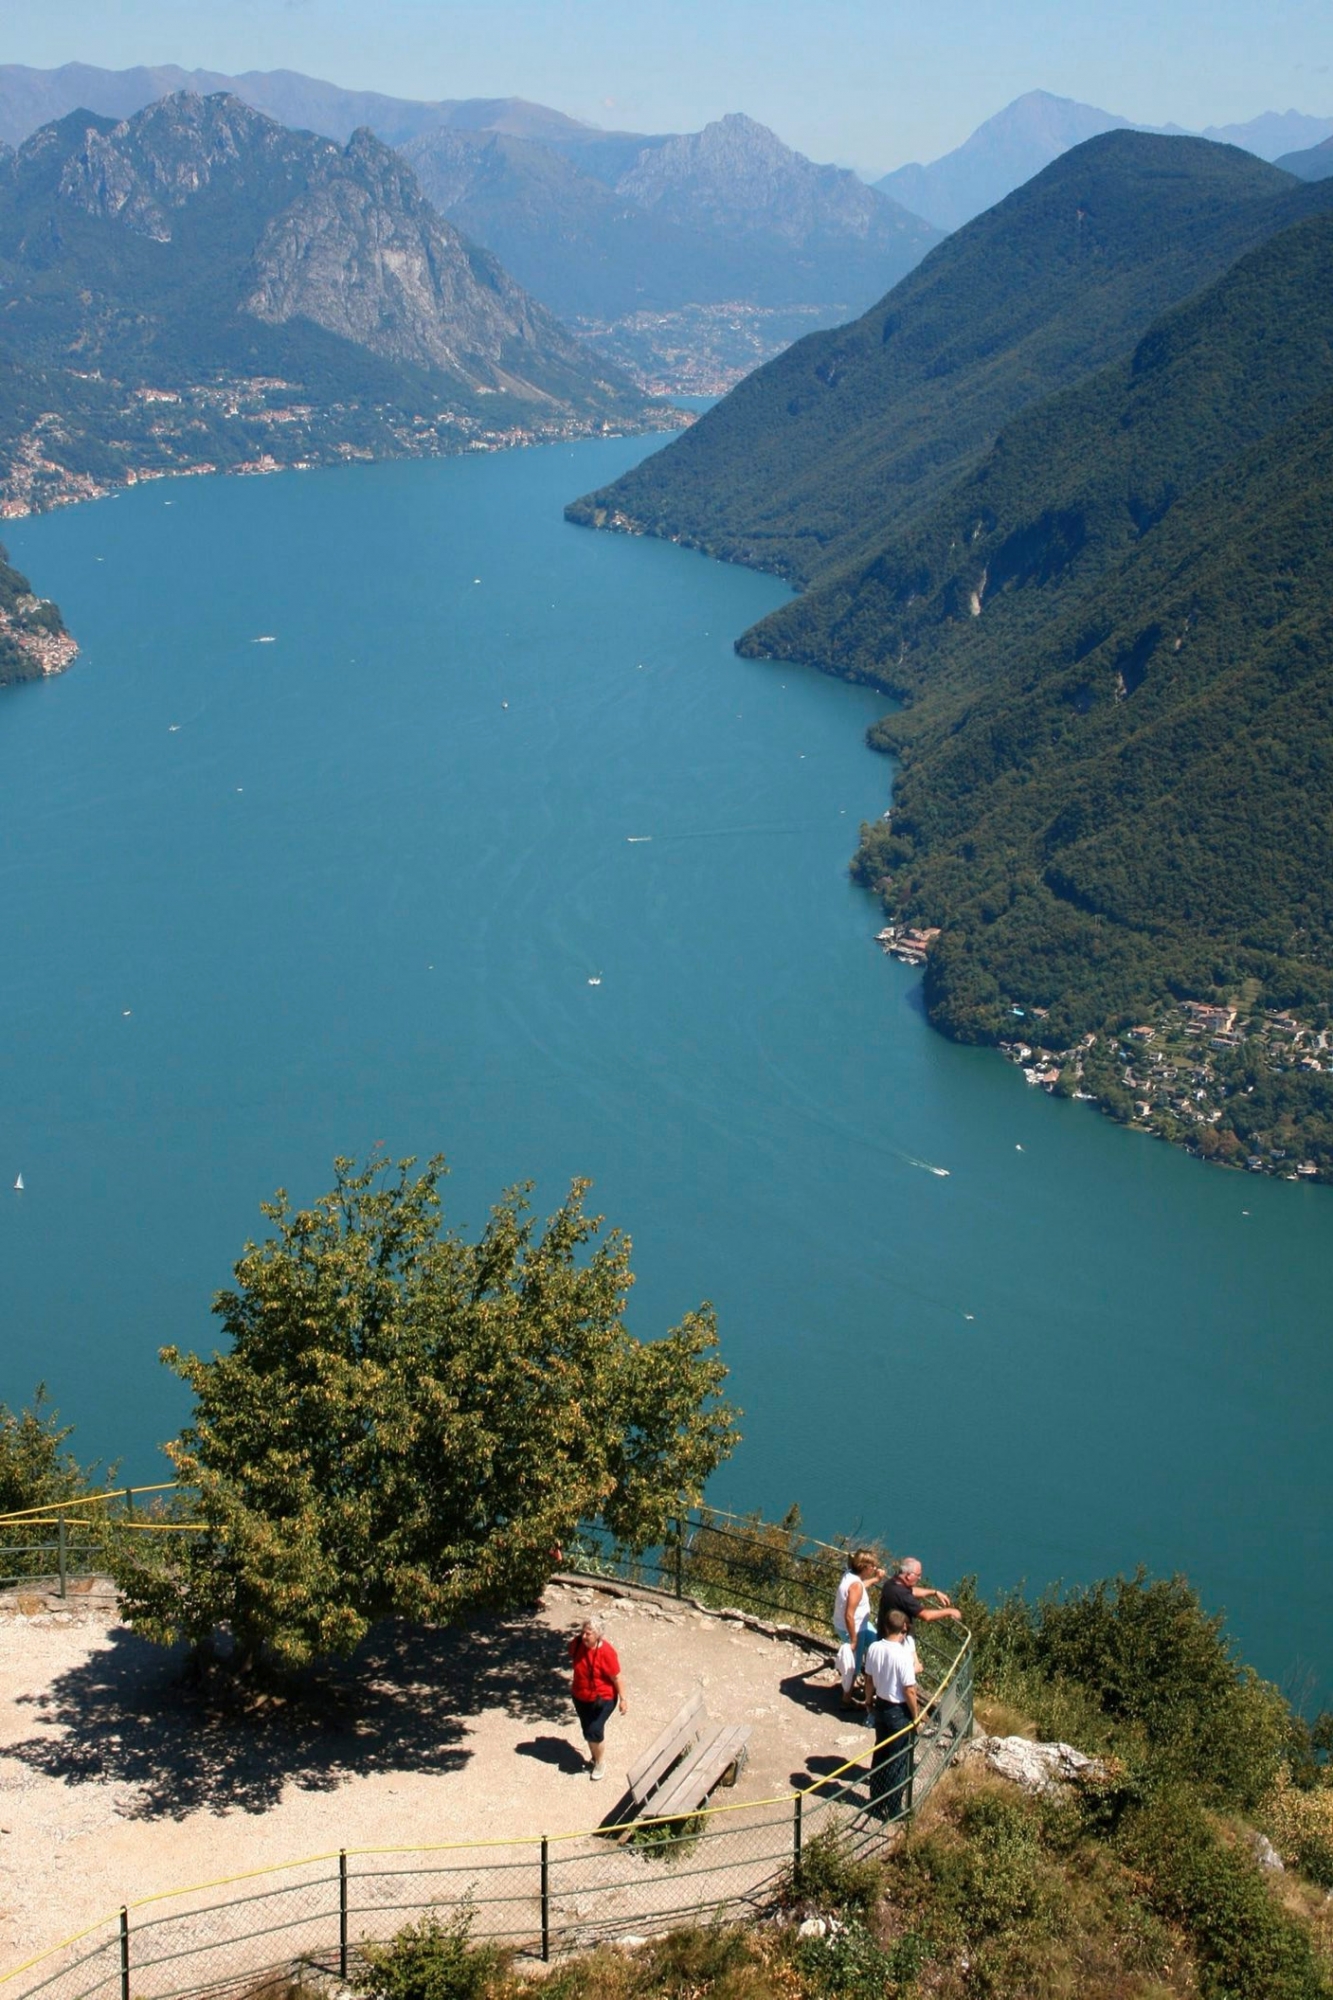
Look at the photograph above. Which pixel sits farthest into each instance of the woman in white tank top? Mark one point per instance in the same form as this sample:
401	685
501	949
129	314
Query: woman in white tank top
851	1616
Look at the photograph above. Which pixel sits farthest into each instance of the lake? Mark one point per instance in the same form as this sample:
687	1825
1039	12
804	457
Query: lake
382	806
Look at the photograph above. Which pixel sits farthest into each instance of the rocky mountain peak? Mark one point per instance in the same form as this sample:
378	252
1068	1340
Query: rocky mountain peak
138	171
735	173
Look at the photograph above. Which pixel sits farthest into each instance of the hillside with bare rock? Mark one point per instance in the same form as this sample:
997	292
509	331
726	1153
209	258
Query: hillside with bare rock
196	288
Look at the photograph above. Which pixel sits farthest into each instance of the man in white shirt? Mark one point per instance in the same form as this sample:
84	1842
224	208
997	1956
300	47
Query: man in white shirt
891	1697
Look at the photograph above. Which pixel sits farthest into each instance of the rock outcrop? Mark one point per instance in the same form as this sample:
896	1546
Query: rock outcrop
1040	1768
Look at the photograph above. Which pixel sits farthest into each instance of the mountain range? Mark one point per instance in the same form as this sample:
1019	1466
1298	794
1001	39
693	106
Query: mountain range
199	287
1066	493
686	257
808	464
720	218
1035	129
30	98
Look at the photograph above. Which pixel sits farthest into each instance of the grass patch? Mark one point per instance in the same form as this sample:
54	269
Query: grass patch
668	1839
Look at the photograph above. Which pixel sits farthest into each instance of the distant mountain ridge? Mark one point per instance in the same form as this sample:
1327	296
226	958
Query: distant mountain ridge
197	287
1313	163
1035	129
30	98
729	213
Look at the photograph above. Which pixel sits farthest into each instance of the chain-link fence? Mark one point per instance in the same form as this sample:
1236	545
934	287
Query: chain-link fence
548	1894
68	1539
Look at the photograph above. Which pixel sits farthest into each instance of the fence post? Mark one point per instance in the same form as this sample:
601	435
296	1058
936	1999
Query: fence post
546	1900
680	1558
796	1839
124	1953
342	1913
61	1551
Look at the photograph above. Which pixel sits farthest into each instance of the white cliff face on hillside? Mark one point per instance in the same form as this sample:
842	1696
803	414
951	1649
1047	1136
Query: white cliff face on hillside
361	253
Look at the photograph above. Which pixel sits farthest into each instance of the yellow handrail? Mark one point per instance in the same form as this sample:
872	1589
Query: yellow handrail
471	1846
86	1500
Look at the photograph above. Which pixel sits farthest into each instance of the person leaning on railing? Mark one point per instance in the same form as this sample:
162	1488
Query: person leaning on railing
904	1591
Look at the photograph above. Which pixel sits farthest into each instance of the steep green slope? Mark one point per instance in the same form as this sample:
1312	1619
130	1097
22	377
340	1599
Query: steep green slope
1076	482
808	464
1117	644
1142	800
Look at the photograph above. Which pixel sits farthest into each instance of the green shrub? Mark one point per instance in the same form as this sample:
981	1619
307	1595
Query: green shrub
832	1876
1137	1666
851	1964
720	1960
35	1468
430	1960
767	1567
1301	1824
667	1839
1246	1945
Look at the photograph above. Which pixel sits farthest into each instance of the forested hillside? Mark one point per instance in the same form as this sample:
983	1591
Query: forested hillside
1117	780
811	461
1074	483
1108	620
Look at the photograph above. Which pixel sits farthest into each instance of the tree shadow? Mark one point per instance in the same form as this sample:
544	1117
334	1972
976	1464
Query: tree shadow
128	1715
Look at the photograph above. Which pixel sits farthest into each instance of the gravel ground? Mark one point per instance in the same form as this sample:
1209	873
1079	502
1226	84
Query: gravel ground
115	1783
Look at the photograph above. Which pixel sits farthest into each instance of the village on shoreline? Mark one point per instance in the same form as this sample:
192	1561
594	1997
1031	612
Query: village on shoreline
1170	1076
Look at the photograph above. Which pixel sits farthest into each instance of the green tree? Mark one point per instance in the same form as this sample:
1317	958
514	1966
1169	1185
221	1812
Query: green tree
410	1424
35	1468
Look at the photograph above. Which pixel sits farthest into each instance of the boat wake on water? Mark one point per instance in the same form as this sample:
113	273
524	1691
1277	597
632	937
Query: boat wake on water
941	1173
723	832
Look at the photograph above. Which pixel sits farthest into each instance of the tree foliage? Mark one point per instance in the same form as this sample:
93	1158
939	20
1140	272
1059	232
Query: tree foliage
35	1468
1137	1666
407	1423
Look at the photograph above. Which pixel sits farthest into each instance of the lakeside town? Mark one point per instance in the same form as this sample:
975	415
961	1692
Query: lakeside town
252	424
1177	1076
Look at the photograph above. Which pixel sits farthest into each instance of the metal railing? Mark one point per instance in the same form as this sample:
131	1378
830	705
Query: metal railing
549	1893
71	1538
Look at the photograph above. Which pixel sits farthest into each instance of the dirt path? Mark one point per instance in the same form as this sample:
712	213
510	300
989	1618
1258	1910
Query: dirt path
114	1784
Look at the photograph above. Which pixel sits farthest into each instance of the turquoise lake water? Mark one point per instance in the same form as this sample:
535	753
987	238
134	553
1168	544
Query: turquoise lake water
266	903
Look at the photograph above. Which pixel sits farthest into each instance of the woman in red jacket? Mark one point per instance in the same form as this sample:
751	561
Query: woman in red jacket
598	1688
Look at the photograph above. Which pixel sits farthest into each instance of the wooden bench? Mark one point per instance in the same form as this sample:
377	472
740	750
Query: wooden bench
716	1758
662	1756
680	1768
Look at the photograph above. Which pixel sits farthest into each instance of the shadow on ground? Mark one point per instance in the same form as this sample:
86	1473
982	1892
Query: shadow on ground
403	1703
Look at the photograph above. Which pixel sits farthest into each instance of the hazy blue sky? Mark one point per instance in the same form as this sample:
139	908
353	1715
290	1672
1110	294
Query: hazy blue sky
871	85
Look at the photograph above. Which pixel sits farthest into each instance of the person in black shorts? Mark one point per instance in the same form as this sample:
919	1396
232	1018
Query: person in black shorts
598	1689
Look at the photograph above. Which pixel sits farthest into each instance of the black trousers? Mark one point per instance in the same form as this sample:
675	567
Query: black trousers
891	1766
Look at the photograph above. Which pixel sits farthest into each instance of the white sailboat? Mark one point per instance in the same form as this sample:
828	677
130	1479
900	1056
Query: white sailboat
18	1185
